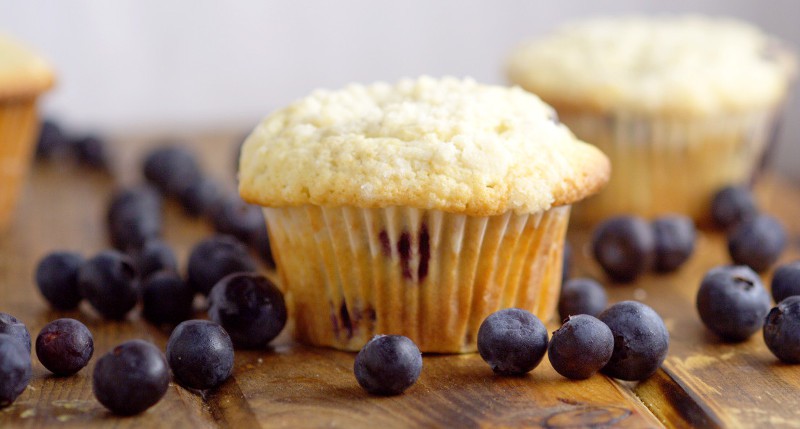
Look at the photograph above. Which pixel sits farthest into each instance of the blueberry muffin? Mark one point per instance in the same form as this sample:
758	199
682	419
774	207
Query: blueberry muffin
23	76
417	208
682	105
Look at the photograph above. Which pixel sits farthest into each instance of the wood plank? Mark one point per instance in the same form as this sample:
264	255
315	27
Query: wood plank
705	383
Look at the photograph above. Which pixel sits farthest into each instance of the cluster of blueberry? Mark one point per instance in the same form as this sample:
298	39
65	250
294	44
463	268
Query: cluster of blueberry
245	308
628	340
174	171
628	246
87	149
755	239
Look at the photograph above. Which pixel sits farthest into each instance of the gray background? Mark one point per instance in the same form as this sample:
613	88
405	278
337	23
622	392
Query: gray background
133	66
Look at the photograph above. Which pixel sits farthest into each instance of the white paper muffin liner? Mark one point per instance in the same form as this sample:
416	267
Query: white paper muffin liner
664	165
18	122
352	273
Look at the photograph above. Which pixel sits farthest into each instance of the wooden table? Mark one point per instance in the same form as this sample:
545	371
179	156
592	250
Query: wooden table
703	383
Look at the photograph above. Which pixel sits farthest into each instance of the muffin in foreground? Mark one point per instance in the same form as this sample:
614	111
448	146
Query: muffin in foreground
417	208
23	77
682	105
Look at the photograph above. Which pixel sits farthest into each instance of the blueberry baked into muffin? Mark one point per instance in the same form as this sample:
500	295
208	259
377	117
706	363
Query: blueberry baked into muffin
416	208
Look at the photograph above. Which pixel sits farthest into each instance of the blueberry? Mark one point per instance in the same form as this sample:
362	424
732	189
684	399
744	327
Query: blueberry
232	216
786	281
732	205
259	240
641	340
388	365
214	258
581	296
92	152
166	298
567	263
134	216
131	378
51	140
15	369
110	283
581	347
675	236
250	307
57	279
171	169
200	354
732	302
64	346
11	326
199	197
624	246
757	242
155	255
782	330
512	341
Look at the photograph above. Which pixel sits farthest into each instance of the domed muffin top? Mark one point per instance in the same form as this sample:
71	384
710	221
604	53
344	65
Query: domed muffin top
446	144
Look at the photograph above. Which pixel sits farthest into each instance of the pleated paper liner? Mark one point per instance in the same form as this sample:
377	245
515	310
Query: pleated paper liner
352	273
662	165
18	122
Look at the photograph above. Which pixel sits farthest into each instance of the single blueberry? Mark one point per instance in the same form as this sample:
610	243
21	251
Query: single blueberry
64	346
250	307
51	140
675	237
199	197
512	341
624	246
388	365
232	216
155	255
214	258
786	281
200	354
110	283
10	325
57	279
581	347
641	340
757	242
782	330
171	168
166	298
731	205
581	296
134	216
131	378
92	151
15	369
732	302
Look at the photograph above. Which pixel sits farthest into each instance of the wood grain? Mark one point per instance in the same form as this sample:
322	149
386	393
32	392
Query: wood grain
704	383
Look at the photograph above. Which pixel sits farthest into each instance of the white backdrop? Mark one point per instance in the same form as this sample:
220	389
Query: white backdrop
154	65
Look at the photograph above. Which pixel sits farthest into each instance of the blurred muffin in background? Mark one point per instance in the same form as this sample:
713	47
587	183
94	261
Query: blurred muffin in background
23	77
682	105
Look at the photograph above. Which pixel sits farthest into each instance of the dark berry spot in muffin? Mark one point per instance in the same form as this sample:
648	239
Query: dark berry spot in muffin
344	315
404	249
424	253
386	245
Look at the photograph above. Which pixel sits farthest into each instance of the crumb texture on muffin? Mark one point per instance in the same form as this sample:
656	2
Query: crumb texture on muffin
681	65
22	72
446	144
